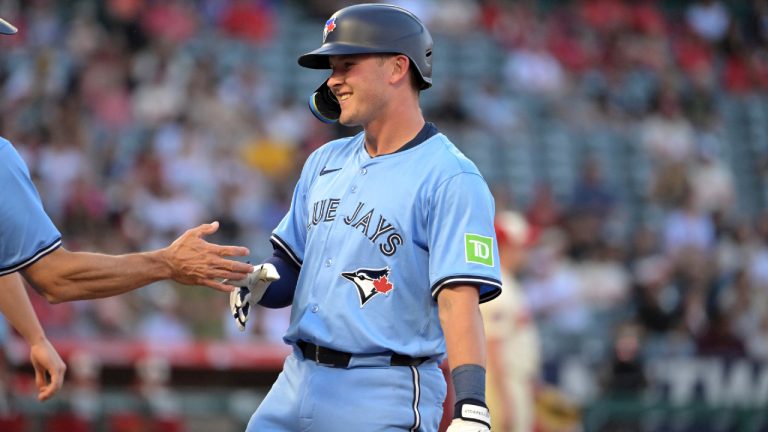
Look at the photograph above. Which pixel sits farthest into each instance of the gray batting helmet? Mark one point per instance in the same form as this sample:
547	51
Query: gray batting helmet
375	28
369	29
6	27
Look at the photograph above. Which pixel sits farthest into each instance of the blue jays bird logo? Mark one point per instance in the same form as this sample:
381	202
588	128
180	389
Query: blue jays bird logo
329	26
370	282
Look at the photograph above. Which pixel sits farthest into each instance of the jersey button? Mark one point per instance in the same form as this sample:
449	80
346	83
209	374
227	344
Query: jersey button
315	308
328	262
364	171
353	189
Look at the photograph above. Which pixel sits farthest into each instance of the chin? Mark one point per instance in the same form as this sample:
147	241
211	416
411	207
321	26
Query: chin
348	121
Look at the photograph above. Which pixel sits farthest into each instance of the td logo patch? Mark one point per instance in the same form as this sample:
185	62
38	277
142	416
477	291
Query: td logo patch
478	249
370	283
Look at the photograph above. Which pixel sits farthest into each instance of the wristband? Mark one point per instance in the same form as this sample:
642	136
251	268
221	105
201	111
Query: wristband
469	382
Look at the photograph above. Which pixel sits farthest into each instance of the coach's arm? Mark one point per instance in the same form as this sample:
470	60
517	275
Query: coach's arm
64	275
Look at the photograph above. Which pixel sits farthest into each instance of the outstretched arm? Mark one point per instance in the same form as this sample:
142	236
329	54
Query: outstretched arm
64	275
15	306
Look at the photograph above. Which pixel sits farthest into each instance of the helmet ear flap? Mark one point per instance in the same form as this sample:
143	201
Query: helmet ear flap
324	104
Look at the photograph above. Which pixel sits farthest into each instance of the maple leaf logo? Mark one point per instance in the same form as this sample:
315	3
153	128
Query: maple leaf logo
330	25
382	285
370	282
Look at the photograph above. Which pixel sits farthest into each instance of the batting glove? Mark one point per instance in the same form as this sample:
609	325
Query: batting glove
251	290
470	416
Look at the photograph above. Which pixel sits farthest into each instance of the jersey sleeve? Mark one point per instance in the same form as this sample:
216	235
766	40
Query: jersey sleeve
26	232
290	236
462	241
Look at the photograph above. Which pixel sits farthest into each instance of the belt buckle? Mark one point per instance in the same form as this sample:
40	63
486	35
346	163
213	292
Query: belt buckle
317	358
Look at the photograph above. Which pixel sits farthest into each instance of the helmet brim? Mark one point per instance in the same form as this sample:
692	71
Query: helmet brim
318	59
7	28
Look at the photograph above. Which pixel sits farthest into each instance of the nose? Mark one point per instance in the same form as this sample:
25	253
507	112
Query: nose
335	79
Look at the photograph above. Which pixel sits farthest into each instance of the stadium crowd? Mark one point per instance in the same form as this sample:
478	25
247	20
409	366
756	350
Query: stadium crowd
140	119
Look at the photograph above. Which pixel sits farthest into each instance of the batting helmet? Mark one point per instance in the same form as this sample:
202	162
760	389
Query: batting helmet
369	29
6	27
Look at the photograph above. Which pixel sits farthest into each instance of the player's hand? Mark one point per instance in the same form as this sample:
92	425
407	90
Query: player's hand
49	368
194	261
460	425
251	290
470	416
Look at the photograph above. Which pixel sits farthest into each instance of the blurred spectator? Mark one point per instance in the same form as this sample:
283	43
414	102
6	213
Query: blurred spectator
658	300
251	20
157	101
667	135
625	375
555	295
490	109
687	228
591	195
708	18
163	323
605	280
531	68
712	182
173	21
605	16
544	210
719	339
246	90
757	24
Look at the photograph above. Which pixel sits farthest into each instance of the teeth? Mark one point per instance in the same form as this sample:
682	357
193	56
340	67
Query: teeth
345	97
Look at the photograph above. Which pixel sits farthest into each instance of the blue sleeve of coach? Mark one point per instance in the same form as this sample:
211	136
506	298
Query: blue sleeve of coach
26	231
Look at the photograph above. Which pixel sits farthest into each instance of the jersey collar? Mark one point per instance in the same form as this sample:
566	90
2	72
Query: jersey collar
427	131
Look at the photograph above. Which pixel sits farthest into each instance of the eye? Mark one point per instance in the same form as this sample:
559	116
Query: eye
343	66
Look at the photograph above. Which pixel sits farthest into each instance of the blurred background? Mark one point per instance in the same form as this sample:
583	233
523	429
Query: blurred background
631	138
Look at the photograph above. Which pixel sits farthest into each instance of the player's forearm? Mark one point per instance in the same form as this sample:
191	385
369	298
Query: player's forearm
65	276
15	306
462	326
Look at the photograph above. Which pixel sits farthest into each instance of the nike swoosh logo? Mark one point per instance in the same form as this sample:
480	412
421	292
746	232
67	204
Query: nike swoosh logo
328	171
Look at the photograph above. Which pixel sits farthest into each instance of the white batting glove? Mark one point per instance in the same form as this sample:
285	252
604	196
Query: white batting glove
472	418
252	289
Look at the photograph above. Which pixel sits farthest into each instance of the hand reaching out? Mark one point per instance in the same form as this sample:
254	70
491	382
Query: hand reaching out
195	261
49	368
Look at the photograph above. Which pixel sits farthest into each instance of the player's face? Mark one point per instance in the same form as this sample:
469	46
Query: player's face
359	83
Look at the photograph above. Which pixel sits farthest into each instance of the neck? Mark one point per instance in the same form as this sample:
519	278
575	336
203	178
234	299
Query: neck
390	131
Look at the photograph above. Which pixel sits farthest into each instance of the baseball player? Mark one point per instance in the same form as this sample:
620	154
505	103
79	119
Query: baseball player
31	244
511	337
385	253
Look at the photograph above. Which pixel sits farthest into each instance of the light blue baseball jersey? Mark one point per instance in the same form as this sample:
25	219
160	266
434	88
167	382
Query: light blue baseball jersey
378	238
26	232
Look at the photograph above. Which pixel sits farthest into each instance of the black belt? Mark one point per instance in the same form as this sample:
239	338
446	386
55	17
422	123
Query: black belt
340	359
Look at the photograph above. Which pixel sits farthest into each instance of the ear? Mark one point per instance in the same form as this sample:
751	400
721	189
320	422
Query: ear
400	68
